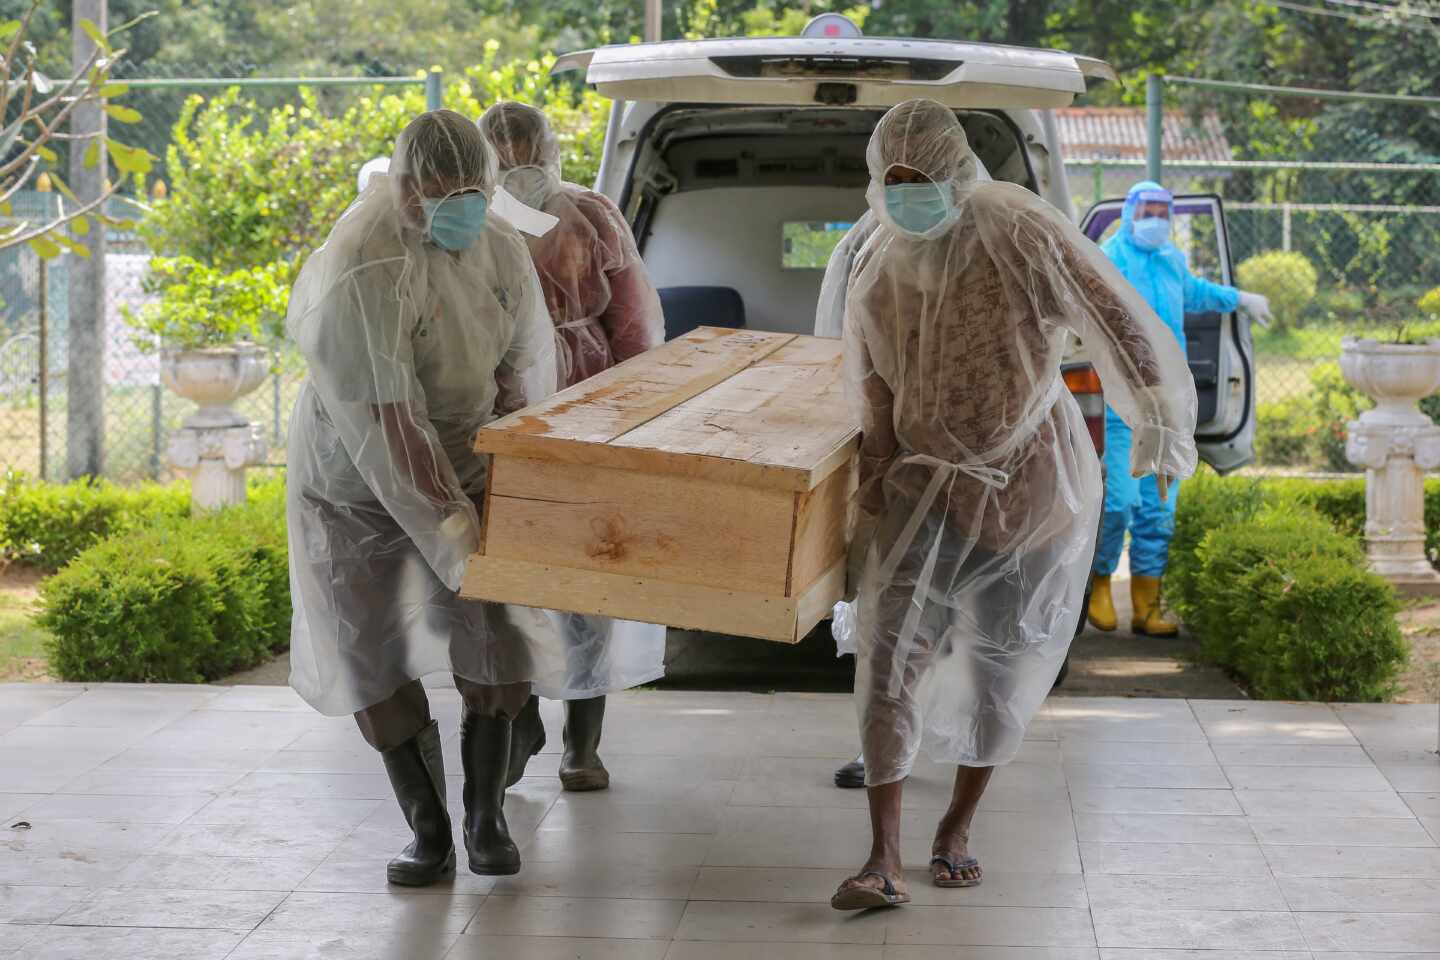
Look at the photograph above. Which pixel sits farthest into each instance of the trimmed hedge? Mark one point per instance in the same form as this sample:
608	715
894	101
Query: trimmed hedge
45	526
1271	576
179	601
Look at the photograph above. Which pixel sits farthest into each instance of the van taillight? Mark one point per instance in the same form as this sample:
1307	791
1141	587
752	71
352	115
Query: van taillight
1084	383
1082	380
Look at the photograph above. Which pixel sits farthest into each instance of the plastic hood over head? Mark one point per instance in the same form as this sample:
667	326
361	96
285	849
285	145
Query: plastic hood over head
924	136
526	148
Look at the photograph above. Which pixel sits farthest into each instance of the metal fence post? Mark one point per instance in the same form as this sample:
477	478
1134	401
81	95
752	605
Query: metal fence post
434	92
85	416
1285	226
1155	126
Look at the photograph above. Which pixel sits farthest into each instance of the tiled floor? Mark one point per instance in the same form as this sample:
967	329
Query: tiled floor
207	822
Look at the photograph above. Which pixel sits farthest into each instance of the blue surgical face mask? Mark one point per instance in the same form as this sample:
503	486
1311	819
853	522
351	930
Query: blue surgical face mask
455	222
1152	233
918	208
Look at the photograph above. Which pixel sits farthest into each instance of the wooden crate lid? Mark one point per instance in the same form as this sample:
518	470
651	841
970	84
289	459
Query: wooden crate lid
740	406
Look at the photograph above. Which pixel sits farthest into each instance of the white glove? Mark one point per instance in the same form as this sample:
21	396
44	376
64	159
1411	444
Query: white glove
1257	306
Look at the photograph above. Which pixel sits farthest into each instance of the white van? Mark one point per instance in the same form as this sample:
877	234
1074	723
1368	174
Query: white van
741	162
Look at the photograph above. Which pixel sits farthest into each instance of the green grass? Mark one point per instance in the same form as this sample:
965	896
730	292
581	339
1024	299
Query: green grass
22	643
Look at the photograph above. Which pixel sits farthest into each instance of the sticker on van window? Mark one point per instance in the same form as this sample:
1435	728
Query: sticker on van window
807	244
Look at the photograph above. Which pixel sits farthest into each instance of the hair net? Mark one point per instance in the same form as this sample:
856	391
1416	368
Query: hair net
980	490
411	348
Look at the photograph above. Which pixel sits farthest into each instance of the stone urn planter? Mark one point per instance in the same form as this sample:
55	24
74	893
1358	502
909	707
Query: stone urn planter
216	443
213	379
1396	444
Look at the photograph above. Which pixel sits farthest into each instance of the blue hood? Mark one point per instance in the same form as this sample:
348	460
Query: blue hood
1143	192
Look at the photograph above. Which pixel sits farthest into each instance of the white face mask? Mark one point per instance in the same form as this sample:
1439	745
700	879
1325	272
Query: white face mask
530	185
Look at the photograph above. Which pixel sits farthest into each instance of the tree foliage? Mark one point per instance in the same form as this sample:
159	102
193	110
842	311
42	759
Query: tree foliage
251	186
35	113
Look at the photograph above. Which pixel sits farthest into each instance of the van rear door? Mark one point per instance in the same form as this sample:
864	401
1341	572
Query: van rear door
837	72
1219	345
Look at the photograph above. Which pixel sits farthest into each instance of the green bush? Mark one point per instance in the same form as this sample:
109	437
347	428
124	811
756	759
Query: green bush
45	526
1286	278
178	601
1283	600
1207	501
1285	432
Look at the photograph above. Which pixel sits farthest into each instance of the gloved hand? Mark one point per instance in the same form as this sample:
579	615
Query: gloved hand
1257	306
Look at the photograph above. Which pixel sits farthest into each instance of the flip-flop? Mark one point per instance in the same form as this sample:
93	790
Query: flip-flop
954	868
861	897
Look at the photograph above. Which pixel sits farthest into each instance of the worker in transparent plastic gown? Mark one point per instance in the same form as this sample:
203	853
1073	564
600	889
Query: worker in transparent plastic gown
605	311
979	491
421	319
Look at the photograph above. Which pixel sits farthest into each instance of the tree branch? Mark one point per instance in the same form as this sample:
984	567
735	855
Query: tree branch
14	240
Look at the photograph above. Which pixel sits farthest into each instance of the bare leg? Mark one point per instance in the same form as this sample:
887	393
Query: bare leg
884	841
952	836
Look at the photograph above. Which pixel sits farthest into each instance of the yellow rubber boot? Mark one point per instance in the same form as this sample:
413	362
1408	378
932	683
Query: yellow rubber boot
1149	620
1102	604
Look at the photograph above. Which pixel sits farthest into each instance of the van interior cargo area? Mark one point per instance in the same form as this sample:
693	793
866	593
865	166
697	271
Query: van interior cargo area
719	196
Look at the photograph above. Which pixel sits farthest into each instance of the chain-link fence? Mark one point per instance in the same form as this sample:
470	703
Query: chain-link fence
1342	247
1345	245
140	414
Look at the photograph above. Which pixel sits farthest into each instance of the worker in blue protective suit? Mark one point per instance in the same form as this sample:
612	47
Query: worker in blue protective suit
1157	269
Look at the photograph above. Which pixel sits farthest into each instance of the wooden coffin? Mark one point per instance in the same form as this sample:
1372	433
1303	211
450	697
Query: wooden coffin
703	485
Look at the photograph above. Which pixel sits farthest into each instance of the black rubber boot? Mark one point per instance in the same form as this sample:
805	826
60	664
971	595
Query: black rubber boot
580	767
851	775
485	749
527	738
417	774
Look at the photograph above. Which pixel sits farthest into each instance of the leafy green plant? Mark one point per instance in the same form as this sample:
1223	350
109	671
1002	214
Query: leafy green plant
251	186
1288	279
1283	600
178	601
1207	501
1429	304
201	306
45	526
1285	432
1336	404
37	112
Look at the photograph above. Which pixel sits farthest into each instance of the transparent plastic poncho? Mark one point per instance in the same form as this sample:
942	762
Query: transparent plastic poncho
605	311
602	302
980	489
411	348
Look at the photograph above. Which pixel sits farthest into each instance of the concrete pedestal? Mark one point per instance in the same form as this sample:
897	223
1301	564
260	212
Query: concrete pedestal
215	459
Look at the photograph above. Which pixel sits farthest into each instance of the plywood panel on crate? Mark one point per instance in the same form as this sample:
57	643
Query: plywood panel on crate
821	528
557	587
786	410
618	400
639	524
704	484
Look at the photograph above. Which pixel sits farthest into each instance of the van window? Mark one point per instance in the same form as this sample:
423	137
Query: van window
807	245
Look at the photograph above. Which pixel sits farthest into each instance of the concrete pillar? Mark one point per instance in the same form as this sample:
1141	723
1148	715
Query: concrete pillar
85	384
